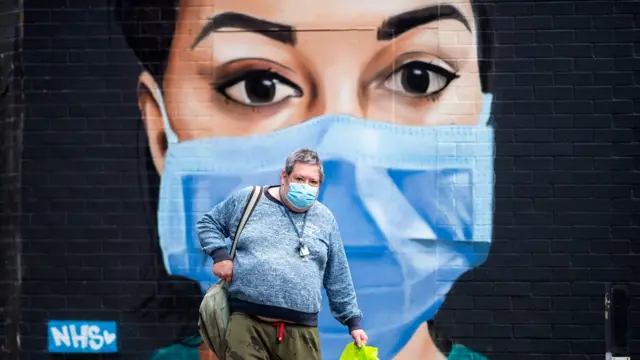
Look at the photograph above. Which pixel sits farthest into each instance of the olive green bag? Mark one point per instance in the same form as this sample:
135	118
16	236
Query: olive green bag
214	309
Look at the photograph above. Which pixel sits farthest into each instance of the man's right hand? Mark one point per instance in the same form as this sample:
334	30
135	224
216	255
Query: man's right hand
223	270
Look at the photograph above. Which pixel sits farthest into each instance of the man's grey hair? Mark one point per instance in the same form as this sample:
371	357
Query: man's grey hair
303	156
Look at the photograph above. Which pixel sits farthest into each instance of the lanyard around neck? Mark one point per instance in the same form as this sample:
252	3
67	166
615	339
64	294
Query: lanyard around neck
304	223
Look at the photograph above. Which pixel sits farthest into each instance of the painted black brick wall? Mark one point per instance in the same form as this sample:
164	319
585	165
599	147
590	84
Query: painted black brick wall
10	137
567	183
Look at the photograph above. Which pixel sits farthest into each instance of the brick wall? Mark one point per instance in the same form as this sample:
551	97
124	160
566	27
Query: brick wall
567	185
10	146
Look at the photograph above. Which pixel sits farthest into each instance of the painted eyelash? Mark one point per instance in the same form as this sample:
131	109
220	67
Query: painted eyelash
448	75
222	85
232	80
442	71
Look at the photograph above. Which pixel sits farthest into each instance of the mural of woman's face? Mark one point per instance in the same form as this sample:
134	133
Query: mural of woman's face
410	191
240	67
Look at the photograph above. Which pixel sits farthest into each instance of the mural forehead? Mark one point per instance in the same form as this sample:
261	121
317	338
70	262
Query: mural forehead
330	15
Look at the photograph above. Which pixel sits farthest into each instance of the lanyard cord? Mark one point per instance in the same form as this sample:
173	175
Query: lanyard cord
287	213
304	223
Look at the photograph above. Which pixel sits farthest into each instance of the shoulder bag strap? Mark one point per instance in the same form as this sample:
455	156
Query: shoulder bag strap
252	202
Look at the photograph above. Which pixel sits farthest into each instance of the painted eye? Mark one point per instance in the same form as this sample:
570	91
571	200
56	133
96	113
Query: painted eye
259	88
418	79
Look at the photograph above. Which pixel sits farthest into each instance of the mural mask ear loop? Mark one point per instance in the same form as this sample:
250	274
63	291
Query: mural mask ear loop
485	114
172	138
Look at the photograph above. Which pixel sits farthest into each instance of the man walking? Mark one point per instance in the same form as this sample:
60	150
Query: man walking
289	249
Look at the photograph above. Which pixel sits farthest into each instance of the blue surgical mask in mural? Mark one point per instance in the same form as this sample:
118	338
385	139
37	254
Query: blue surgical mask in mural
414	206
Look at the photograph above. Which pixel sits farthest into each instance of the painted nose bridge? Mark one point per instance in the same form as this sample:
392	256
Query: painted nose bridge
340	92
339	77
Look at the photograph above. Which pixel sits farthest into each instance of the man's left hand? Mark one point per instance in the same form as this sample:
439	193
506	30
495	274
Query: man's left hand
360	337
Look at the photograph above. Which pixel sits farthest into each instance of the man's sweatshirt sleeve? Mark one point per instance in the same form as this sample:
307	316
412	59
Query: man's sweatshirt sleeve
215	226
339	285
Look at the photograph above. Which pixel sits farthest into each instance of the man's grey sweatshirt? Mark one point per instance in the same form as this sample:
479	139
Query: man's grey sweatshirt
270	278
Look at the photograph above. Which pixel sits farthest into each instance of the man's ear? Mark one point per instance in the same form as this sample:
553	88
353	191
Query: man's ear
149	105
283	176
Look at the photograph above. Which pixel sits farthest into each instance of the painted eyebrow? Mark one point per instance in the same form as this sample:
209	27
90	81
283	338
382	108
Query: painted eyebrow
397	25
279	32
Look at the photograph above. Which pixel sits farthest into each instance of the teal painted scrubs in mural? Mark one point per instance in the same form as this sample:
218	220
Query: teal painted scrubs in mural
186	351
459	352
182	352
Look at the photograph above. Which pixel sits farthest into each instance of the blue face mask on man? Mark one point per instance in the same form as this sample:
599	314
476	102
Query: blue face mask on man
414	206
301	196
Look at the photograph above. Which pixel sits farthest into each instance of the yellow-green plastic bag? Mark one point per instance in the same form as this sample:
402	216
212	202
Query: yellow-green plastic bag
352	352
